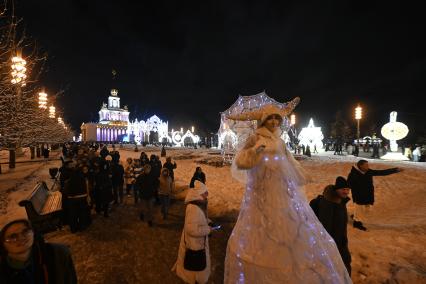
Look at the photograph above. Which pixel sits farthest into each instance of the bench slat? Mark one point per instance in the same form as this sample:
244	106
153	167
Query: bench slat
53	203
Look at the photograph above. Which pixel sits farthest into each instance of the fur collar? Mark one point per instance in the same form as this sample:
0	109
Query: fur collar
263	131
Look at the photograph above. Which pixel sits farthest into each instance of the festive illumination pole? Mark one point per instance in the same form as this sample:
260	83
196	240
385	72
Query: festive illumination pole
42	100
18	79
358	116
51	112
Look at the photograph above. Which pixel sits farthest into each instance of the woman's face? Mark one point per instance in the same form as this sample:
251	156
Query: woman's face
18	239
273	122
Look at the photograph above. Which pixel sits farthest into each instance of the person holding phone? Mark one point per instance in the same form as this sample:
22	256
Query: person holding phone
195	238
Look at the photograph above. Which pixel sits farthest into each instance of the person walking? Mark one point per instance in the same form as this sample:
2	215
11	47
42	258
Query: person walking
147	185
330	208
26	258
360	180
164	191
193	261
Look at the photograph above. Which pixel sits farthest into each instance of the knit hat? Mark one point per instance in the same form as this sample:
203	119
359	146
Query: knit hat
265	111
341	183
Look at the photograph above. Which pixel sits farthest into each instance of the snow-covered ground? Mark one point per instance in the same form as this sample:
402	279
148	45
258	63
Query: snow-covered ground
122	249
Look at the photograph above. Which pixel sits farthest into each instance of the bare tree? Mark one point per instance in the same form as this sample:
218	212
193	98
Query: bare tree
22	122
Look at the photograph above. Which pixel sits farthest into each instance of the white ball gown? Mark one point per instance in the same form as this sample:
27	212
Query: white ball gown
278	238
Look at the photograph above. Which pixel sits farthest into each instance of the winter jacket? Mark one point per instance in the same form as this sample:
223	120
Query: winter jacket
103	187
117	172
334	217
170	167
129	174
49	263
361	184
76	185
146	185
197	176
195	237
165	185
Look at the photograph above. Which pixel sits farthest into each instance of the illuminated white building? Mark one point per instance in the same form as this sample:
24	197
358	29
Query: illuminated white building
113	122
114	126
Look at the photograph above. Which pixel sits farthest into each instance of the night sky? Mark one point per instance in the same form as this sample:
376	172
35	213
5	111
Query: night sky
187	61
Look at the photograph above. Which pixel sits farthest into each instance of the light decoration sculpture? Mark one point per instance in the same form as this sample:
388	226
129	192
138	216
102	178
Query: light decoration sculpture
142	129
18	70
42	100
52	112
311	136
178	137
393	131
243	129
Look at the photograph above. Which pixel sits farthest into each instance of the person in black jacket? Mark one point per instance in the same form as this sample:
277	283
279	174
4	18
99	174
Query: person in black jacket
103	188
77	211
104	152
198	175
360	181
147	185
117	172
170	166
331	211
26	258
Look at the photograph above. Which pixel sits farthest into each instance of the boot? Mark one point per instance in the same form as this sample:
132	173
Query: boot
359	225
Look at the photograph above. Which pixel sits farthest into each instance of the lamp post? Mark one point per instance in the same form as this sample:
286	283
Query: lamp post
358	116
18	79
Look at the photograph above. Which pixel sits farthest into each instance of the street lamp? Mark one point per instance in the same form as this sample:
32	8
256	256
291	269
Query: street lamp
358	116
42	100
192	129
51	112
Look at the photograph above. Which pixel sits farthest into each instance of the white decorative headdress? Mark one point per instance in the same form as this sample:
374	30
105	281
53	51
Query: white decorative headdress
265	111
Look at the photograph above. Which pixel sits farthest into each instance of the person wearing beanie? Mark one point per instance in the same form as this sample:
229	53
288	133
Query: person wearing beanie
330	208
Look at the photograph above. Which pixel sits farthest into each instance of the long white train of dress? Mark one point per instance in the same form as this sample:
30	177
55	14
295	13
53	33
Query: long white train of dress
278	238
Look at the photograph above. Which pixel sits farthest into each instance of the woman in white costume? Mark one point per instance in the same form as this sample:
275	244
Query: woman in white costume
277	238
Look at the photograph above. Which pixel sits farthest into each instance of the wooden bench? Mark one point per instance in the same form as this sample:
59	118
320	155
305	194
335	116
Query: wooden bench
44	208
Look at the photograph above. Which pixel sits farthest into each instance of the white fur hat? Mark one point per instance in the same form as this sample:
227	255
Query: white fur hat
195	193
265	111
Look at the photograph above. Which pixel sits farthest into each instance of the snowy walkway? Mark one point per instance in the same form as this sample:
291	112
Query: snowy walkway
122	249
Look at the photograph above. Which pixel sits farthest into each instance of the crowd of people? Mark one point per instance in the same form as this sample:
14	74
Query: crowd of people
94	178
